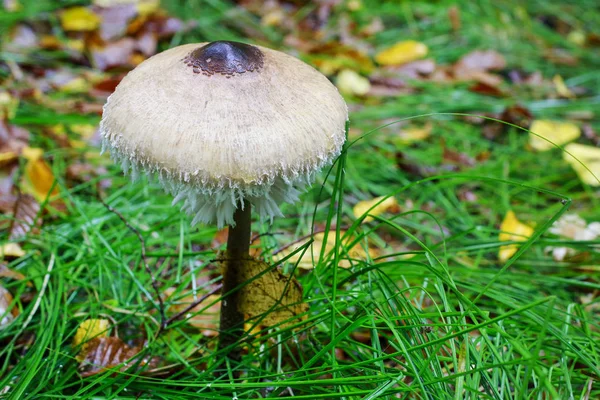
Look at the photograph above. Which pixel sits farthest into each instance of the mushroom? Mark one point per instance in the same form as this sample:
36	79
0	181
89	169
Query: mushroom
226	126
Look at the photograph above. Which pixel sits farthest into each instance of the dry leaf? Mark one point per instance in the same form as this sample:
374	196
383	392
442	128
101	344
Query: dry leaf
11	250
79	19
480	60
590	157
88	330
26	210
454	17
349	82
561	87
38	179
572	227
115	54
415	133
108	352
556	132
6	315
6	272
273	297
204	319
306	261
402	53
8	105
512	230
374	209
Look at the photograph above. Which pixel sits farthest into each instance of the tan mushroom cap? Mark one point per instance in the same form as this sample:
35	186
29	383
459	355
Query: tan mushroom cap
224	122
282	119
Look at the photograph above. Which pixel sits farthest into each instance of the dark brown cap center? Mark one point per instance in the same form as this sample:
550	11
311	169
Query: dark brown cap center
225	58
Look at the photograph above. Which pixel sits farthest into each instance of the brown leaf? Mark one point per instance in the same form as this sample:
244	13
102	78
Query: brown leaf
26	211
115	20
454	17
456	158
13	140
480	60
204	319
6	315
116	54
109	352
414	70
486	89
6	272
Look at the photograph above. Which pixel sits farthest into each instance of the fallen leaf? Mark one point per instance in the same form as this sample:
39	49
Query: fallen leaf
7	313
590	157
414	133
115	54
38	179
487	89
551	133
349	82
6	272
402	53
204	319
572	227
512	230
109	352
373	208
561	87
88	330
481	60
8	105
22	37
26	210
273	297
414	70
79	19
11	250
454	17
115	19
304	259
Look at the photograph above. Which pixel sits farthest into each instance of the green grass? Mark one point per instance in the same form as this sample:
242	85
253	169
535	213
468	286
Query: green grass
434	316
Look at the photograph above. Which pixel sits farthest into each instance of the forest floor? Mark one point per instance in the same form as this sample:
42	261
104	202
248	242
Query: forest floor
476	275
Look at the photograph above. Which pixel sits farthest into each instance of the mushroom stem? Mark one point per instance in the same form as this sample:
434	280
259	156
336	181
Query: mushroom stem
238	247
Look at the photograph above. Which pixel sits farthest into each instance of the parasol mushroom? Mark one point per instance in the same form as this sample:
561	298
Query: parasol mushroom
226	126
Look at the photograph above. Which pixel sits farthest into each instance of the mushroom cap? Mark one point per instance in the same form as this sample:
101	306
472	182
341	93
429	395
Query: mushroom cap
225	119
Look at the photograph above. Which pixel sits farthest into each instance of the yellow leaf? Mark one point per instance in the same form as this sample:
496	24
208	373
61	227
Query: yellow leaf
273	296
512	230
561	87
11	250
89	329
79	19
557	132
402	53
77	85
590	157
414	134
147	7
273	17
7	156
304	259
200	317
349	82
8	106
38	179
370	206
77	45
